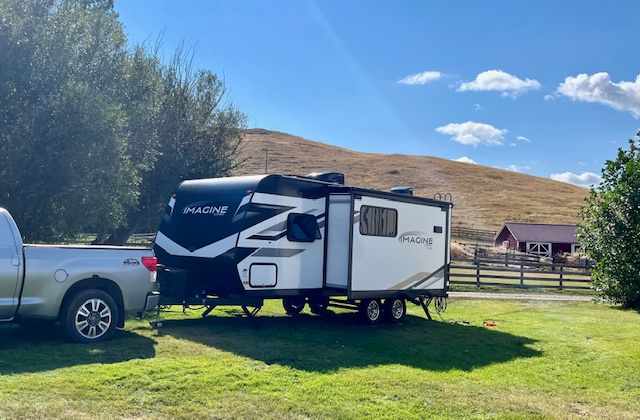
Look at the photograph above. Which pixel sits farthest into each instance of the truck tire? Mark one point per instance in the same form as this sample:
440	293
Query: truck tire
370	310
395	309
90	316
293	305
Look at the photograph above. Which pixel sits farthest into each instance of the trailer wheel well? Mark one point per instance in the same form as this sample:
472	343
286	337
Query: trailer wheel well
106	285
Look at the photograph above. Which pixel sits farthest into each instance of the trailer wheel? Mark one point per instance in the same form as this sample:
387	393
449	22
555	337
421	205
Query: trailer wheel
293	305
319	306
90	316
370	310
395	309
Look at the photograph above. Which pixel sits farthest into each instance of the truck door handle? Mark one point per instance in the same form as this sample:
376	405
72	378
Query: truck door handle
15	261
131	261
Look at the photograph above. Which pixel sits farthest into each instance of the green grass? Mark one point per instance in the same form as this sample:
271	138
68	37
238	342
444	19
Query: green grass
541	360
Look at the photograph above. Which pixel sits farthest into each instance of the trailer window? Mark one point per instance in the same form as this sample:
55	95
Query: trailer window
302	227
378	221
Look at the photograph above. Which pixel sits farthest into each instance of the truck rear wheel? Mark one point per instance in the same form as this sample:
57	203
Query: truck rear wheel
293	305
90	316
370	310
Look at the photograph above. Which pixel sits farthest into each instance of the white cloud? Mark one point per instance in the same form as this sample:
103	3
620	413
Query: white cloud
421	78
472	133
598	88
585	179
523	139
549	97
500	81
477	107
465	159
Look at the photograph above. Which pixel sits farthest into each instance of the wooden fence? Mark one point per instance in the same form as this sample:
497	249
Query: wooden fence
523	274
473	235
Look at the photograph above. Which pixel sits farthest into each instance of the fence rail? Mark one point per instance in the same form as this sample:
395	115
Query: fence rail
473	235
523	274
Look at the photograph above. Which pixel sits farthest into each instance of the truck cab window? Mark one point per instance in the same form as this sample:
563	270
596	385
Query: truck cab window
302	227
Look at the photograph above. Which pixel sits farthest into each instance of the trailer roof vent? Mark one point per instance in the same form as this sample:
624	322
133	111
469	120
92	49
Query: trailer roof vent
333	177
402	190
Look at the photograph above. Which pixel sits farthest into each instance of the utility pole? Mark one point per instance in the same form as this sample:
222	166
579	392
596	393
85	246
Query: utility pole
266	161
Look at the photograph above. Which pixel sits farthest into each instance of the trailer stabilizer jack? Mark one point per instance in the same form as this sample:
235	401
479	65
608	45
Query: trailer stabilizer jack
425	302
208	310
251	313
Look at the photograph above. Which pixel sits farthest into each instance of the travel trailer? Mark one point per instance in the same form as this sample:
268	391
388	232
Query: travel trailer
305	240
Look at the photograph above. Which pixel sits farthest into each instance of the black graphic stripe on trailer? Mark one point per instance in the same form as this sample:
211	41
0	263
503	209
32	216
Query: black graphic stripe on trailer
280	235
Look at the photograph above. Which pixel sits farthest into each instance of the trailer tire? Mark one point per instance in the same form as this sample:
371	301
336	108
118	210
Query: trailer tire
293	305
319	306
395	309
371	310
90	316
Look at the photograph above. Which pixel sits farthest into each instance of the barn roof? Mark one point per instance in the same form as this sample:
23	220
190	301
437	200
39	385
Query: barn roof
532	232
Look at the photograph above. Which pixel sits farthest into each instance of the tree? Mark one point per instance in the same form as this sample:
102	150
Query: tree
62	133
195	136
610	228
94	135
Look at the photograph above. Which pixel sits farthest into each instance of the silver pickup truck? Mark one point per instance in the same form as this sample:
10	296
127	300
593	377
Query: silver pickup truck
89	289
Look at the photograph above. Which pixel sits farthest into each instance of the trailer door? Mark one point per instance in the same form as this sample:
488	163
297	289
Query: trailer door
338	237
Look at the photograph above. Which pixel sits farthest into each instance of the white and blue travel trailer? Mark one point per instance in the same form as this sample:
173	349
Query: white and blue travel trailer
306	240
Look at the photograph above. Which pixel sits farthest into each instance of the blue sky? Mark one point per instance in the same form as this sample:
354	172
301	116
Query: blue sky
547	90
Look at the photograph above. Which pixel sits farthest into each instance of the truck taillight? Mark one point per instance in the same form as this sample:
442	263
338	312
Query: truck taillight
151	263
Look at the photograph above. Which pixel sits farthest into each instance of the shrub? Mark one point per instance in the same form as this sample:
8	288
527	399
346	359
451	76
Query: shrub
610	228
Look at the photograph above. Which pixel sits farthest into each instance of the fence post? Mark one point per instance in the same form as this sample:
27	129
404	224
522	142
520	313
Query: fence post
561	272
506	259
477	273
522	274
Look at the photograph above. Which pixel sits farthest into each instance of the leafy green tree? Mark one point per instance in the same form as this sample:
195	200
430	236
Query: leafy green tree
194	134
62	133
610	228
95	135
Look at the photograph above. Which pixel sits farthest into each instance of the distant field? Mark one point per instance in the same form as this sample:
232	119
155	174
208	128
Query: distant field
541	360
484	197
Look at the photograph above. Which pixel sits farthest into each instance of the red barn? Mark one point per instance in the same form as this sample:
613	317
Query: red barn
540	239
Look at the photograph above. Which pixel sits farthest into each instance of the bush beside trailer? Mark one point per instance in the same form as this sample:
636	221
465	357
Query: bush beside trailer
305	240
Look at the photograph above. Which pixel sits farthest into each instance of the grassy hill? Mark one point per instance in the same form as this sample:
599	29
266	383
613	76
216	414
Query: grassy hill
484	197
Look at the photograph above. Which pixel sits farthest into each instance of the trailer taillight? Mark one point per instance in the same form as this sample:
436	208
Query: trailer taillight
151	263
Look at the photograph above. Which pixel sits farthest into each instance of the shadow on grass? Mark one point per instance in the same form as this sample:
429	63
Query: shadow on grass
23	350
325	344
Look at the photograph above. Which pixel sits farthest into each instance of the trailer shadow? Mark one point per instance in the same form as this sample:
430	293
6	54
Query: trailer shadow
25	350
325	344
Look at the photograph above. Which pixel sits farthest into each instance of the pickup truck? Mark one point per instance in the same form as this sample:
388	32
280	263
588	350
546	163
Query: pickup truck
89	289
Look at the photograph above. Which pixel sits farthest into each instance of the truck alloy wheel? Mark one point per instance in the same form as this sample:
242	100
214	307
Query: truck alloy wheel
371	310
90	316
93	319
395	309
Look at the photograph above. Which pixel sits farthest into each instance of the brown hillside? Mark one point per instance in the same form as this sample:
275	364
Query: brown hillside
484	197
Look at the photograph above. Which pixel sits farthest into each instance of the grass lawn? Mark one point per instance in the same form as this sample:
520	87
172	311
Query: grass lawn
541	360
